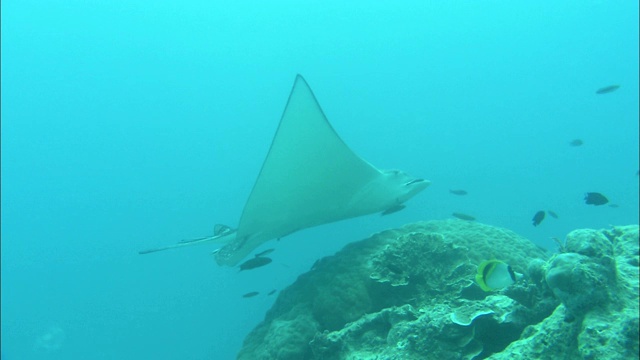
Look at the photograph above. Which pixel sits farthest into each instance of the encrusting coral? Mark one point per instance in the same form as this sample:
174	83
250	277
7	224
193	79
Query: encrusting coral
408	293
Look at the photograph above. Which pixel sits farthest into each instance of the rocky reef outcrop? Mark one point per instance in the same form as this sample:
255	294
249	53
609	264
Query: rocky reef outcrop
408	293
595	276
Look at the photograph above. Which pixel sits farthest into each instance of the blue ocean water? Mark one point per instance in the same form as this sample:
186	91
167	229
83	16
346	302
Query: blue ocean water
133	124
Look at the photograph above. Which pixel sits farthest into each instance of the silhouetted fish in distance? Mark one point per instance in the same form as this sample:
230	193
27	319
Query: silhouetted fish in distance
250	294
458	192
576	142
552	214
272	292
255	262
594	198
463	216
538	217
607	89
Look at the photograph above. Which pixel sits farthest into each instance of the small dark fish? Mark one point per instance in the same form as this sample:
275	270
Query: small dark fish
266	252
607	89
594	198
463	216
250	294
272	292
552	214
458	192
393	209
576	142
254	263
538	217
614	205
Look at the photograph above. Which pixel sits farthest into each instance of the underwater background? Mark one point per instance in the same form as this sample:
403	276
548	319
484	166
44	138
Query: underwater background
134	124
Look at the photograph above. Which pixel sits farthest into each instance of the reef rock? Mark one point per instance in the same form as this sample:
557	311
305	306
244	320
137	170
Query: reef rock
596	278
408	293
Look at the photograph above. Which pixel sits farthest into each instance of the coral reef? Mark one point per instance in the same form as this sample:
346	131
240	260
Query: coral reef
596	278
408	293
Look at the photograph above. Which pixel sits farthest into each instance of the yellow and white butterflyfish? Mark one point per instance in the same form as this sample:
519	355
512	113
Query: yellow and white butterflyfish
494	274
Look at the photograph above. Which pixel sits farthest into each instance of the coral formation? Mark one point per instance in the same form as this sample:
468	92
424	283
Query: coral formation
408	293
596	278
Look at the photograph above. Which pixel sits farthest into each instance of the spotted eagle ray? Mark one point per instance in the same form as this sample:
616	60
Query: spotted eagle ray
310	177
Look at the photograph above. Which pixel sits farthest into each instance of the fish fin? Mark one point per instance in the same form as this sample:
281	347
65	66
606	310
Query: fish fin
393	209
